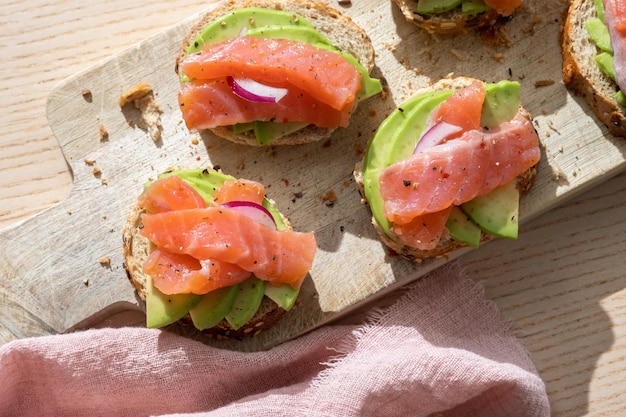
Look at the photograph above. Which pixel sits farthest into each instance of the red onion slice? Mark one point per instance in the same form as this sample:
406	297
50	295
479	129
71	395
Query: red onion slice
254	91
435	135
255	211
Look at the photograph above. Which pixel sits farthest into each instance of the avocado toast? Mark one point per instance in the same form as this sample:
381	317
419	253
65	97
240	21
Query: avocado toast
454	17
293	93
446	169
213	252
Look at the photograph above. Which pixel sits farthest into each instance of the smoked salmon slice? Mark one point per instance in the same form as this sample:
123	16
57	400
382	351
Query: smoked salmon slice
458	170
222	234
170	193
462	108
325	75
239	190
504	7
183	274
423	232
210	104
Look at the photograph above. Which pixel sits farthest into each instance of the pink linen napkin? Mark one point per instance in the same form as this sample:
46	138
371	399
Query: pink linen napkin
440	350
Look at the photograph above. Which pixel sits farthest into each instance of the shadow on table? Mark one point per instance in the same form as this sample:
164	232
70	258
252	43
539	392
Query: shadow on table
551	285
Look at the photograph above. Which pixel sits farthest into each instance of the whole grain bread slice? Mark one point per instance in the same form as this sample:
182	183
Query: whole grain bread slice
446	245
581	73
337	27
452	22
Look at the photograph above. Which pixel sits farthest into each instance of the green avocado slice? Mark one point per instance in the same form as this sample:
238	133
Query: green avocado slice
246	303
428	7
496	212
462	228
240	21
599	6
213	307
474	7
284	295
205	182
599	33
163	309
501	104
436	6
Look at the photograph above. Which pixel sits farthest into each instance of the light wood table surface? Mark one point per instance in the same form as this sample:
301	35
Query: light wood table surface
561	285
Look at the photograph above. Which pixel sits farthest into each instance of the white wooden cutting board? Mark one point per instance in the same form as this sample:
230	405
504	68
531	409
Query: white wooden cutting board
51	277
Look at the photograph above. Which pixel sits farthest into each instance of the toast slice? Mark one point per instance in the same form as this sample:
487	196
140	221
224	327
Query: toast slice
338	28
581	73
137	248
452	22
446	245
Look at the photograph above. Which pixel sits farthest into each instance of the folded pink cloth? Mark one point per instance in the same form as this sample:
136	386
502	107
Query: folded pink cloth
440	350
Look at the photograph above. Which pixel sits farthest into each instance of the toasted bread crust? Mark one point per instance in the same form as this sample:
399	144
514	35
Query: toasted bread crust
338	28
449	23
446	245
136	249
581	73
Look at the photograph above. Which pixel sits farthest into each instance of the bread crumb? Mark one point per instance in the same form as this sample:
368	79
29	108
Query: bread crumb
89	161
96	171
329	198
195	141
543	83
134	93
105	260
391	48
86	282
498	57
143	99
460	55
103	181
104	133
86	93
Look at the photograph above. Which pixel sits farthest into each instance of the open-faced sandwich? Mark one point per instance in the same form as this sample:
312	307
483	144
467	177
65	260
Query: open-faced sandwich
594	58
212	251
453	17
447	168
269	72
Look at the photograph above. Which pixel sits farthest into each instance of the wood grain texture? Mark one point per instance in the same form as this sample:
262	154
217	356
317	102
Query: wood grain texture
76	35
561	285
